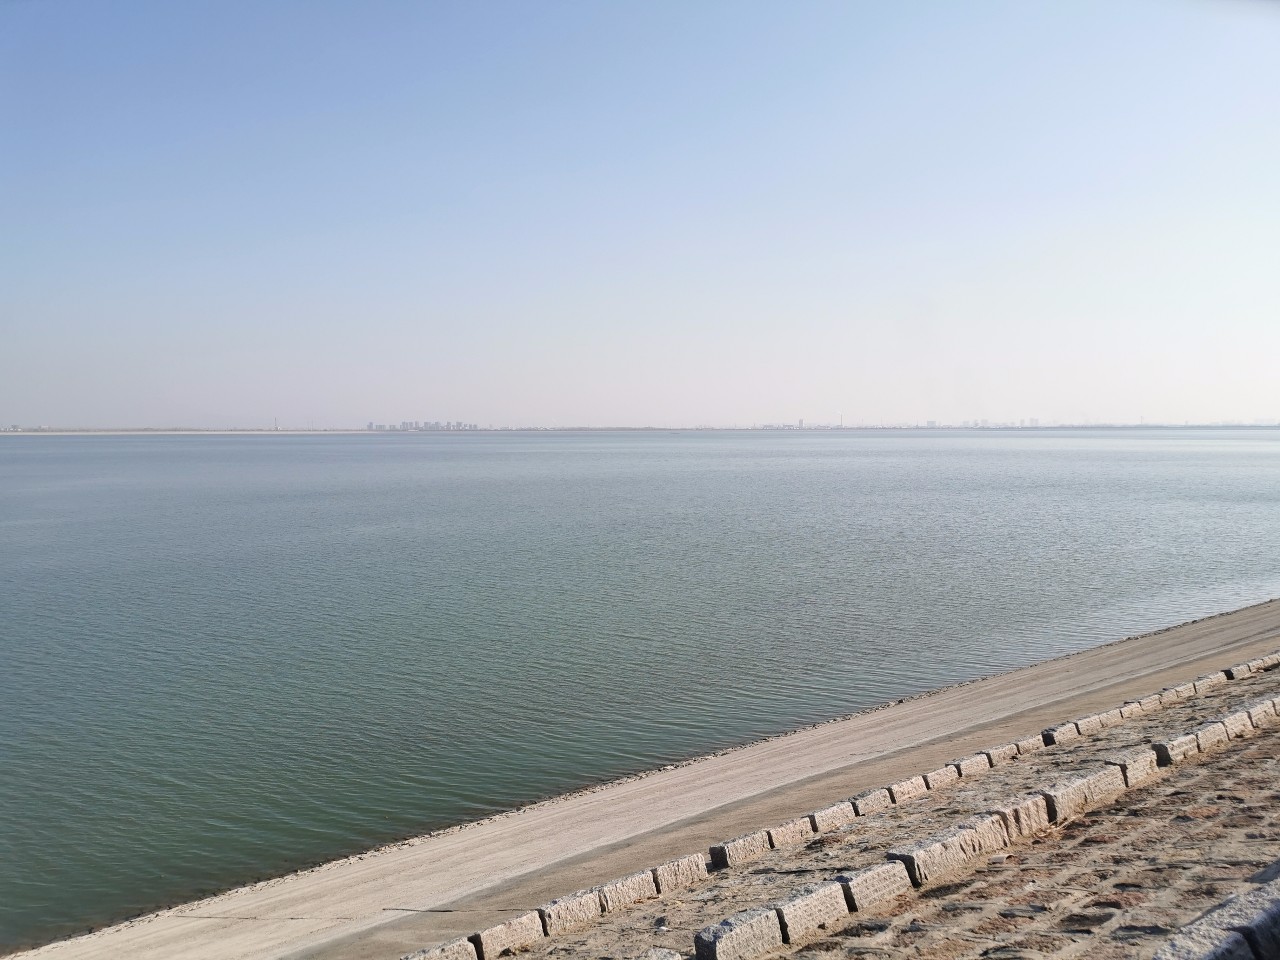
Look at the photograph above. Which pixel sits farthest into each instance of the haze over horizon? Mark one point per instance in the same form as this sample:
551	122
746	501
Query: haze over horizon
226	214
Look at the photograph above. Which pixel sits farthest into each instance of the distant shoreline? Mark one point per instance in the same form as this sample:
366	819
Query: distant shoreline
356	431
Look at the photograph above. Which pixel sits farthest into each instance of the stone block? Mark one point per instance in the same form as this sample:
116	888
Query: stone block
1198	943
1175	750
990	830
1105	786
1131	710
565	913
871	801
623	893
866	888
974	766
1138	766
523	931
941	777
1263	714
1210	681
1067	799
1024	817
1030	745
1258	665
1151	704
1001	754
1211	735
812	910
908	789
1063	733
1088	726
1238	672
680	874
460	949
939	856
751	933
1111	718
832	817
739	850
790	834
1238	725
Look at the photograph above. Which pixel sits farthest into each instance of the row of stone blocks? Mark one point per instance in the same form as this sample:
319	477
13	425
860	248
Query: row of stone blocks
566	913
579	908
1087	726
752	846
818	908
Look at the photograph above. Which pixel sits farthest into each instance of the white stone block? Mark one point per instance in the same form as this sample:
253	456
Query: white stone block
680	874
974	766
565	913
1209	682
1176	749
990	830
939	856
1263	715
1030	745
1063	733
460	949
942	777
1211	735
1002	754
812	910
1068	799
1238	725
1238	672
1138	765
1111	718
1024	817
832	817
1088	726
866	888
623	893
871	801
743	936
791	834
739	850
523	931
907	789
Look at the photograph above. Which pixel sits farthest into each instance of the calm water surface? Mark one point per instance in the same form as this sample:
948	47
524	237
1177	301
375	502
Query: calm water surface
225	657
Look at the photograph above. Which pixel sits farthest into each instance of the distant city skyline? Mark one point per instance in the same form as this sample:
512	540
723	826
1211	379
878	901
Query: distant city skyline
231	214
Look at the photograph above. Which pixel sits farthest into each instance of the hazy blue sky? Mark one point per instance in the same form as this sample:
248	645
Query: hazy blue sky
638	213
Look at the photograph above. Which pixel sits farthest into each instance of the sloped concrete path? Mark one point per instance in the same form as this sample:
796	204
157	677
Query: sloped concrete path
405	897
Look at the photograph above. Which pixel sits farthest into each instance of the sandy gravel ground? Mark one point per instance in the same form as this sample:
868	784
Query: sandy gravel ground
410	895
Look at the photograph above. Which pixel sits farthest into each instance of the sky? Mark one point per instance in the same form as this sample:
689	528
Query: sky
233	213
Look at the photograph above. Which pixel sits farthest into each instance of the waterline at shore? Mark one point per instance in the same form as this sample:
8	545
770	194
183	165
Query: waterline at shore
371	905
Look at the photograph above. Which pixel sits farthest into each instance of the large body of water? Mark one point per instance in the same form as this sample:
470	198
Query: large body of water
226	657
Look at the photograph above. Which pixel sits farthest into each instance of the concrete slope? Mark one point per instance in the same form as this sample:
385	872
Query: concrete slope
373	904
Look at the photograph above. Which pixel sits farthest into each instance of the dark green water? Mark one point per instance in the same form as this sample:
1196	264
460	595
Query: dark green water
225	657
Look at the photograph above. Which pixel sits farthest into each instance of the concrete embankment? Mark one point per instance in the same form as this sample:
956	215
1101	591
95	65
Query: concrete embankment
789	893
466	880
